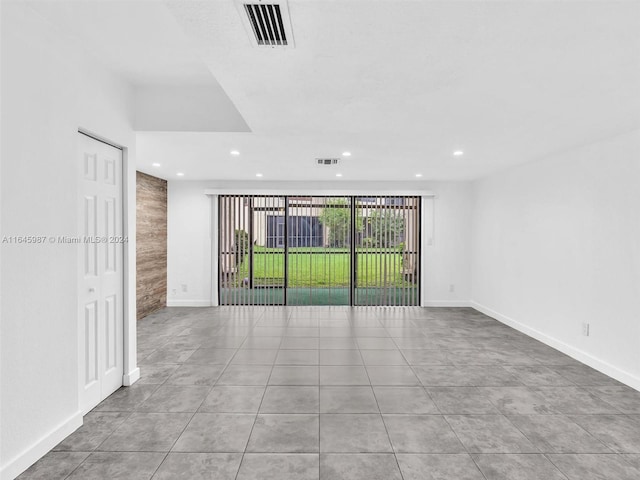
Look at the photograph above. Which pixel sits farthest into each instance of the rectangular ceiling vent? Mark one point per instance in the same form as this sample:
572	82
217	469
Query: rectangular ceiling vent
327	161
267	22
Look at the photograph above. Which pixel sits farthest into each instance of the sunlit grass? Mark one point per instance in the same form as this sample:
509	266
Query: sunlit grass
320	267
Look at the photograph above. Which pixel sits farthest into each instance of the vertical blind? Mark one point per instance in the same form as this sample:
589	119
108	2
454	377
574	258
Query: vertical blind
319	250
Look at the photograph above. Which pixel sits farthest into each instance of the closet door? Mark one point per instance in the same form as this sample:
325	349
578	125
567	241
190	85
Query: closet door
101	276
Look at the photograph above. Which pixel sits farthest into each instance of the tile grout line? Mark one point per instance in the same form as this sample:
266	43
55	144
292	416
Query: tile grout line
384	424
554	465
444	417
255	420
197	409
583	386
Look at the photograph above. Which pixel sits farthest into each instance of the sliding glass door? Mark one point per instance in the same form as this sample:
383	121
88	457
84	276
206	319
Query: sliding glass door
318	250
387	251
251	242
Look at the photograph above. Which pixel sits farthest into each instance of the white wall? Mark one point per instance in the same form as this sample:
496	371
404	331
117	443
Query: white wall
446	261
188	244
49	90
556	243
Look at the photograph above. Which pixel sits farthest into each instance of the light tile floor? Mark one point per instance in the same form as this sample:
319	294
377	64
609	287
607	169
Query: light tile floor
339	393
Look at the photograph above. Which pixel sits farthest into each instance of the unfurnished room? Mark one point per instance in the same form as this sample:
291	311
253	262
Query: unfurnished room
320	240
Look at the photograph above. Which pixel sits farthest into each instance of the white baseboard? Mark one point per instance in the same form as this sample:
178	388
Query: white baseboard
130	378
188	303
445	303
602	366
31	455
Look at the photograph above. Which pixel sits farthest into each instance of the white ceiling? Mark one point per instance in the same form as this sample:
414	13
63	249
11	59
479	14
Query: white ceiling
140	39
400	84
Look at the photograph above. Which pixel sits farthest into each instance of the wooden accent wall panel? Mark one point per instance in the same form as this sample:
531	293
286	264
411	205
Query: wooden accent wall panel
151	244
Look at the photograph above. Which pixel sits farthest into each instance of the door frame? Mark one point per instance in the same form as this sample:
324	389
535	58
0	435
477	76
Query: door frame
354	189
131	371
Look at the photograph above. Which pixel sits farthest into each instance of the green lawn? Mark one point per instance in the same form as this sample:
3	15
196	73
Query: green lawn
307	269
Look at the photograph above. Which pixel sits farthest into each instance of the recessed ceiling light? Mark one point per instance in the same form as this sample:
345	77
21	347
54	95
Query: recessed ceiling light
458	153
346	154
234	152
418	175
155	164
180	174
338	174
258	174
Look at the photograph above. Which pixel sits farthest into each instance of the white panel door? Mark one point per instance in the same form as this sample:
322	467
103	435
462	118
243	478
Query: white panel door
101	272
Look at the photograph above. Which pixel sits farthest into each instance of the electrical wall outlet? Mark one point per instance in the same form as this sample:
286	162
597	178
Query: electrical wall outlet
452	288
184	287
585	329
174	291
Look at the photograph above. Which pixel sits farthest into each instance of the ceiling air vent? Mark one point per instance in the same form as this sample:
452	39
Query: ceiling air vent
327	161
267	22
